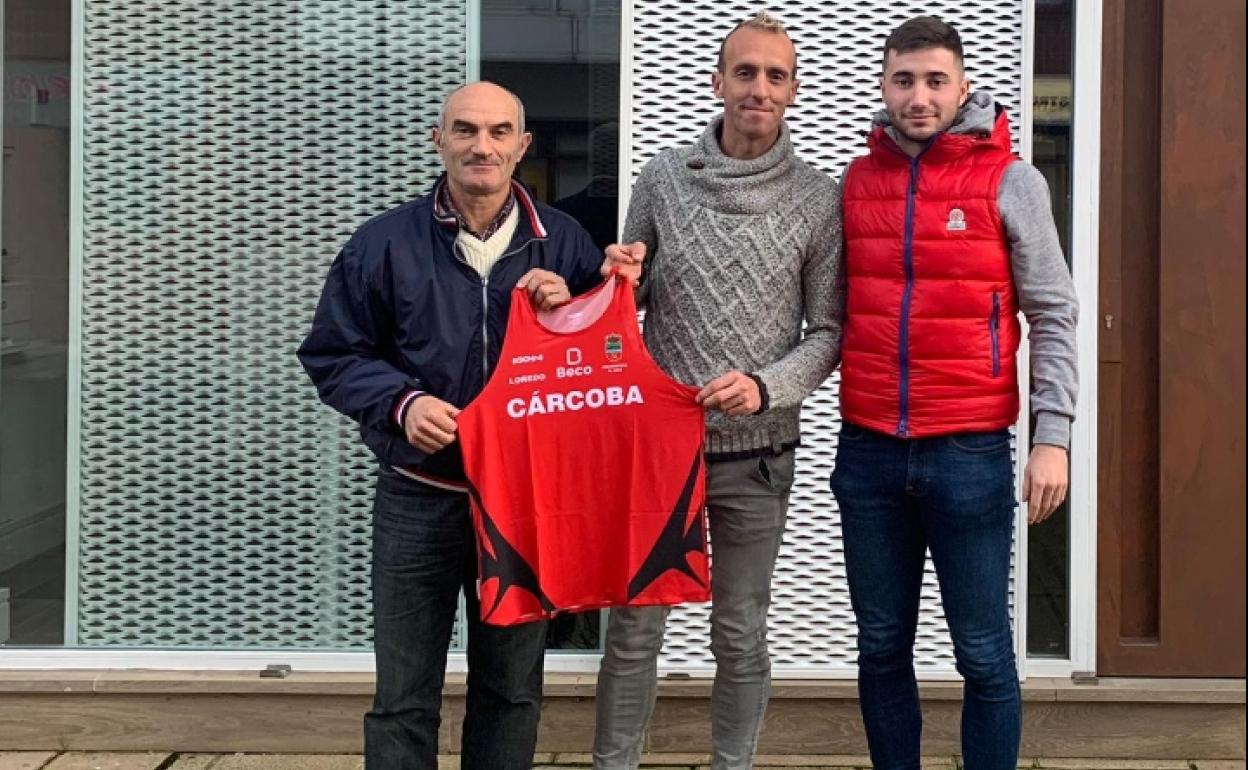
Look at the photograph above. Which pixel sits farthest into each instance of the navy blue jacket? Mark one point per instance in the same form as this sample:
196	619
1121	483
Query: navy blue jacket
402	311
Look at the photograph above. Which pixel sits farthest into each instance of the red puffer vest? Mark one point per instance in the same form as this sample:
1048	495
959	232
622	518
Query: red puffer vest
932	317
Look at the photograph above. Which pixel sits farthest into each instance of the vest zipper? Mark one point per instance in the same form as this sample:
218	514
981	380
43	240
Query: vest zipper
992	333
912	191
903	341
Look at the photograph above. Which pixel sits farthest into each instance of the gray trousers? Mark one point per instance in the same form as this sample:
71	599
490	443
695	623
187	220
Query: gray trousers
746	504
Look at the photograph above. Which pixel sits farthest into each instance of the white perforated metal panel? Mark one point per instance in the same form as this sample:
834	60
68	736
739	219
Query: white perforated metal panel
674	45
228	151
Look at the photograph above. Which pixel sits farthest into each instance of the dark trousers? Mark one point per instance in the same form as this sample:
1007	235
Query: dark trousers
423	555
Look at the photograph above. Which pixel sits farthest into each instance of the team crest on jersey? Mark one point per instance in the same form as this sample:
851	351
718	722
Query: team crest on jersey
957	220
614	347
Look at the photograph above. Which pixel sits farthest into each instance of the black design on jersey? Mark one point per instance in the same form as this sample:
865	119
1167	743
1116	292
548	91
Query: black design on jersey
507	564
674	542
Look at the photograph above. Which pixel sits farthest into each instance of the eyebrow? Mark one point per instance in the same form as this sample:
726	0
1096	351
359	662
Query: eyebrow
459	123
769	70
912	73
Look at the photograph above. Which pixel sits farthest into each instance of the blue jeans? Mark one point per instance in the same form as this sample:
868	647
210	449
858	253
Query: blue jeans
952	495
423	554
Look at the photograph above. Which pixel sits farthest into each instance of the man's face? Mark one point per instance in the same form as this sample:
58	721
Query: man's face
480	140
922	91
757	83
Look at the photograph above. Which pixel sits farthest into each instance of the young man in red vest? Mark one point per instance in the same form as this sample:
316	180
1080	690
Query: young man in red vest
948	236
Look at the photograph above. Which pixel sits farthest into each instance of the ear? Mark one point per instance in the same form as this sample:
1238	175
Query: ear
526	139
435	136
964	91
793	92
717	84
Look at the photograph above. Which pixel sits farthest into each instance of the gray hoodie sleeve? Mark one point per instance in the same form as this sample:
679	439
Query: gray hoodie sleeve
1046	295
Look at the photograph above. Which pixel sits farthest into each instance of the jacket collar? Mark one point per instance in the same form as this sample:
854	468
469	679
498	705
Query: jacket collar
531	224
946	146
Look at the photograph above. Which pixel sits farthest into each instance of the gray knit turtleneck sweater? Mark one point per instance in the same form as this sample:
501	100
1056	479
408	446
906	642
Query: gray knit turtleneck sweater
739	253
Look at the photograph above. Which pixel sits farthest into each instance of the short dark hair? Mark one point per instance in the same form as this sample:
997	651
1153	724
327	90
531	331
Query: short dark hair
920	34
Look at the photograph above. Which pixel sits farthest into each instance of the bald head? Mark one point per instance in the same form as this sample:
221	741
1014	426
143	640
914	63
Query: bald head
485	92
481	139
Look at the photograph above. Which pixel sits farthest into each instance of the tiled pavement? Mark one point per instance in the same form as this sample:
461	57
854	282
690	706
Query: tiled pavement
51	760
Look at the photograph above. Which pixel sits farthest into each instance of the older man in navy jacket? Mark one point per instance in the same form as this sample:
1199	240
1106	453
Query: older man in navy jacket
407	332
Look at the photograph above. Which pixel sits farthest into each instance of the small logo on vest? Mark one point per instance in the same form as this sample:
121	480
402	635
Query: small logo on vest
957	220
573	356
613	347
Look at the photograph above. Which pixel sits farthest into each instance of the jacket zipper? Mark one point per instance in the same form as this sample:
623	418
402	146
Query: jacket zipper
485	303
903	342
992	333
485	325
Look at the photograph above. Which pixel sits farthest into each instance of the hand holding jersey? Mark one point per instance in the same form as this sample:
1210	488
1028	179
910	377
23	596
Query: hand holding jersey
429	423
734	393
626	260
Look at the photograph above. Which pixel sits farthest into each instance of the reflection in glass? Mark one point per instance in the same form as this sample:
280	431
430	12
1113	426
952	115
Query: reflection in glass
562	58
34	292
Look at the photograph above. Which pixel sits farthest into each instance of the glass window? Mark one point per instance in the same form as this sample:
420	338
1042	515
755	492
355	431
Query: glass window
1048	545
562	58
229	150
34	330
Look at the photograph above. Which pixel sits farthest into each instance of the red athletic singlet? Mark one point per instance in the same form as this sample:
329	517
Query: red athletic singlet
584	465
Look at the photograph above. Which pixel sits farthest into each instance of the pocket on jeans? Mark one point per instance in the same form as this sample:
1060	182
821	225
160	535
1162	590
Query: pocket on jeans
774	472
981	442
851	432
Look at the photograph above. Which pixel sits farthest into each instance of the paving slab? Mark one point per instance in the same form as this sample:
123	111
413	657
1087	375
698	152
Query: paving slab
194	762
577	759
25	760
268	762
804	768
811	761
1105	764
99	760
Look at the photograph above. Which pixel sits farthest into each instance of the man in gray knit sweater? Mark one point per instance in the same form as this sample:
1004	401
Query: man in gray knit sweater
741	242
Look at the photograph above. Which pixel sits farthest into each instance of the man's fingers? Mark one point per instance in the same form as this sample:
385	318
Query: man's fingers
713	394
527	280
628	253
709	399
1053	498
1049	501
620	254
550	295
442	421
434	435
720	383
1046	498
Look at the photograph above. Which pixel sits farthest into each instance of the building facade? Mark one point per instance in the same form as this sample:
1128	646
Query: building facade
177	177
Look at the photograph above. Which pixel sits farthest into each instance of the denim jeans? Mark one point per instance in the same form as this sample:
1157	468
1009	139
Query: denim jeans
952	495
423	554
746	504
